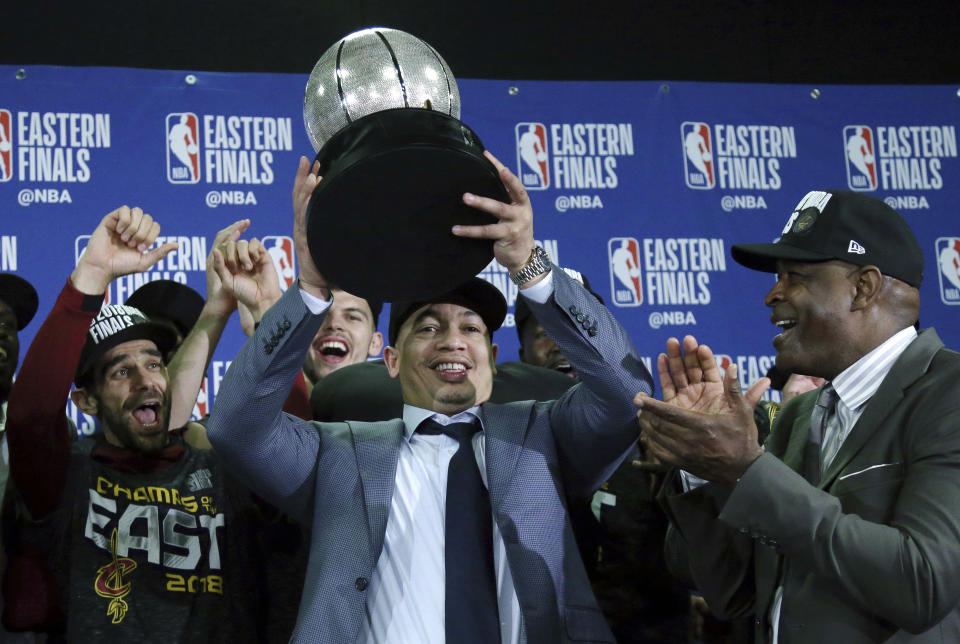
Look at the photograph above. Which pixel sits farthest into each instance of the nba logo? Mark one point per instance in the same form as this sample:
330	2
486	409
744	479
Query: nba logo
80	245
201	407
697	155
6	146
281	252
861	162
532	162
624	254
183	151
948	263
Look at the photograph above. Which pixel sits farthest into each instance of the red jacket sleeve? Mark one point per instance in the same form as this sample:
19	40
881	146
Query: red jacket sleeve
36	422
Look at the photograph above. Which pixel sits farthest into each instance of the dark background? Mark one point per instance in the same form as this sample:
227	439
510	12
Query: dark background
790	41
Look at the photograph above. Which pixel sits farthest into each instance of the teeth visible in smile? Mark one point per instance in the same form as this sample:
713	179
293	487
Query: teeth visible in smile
786	324
450	366
333	346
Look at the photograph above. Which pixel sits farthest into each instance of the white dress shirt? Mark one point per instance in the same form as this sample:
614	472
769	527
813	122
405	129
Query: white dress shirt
406	596
407	590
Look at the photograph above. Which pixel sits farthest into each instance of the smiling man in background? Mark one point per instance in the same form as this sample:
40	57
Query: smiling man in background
846	527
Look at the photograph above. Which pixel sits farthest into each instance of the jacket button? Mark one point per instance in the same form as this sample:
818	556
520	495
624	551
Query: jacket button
573	309
361	583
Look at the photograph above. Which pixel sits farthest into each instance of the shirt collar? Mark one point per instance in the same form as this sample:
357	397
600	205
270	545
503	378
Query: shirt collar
856	384
413	416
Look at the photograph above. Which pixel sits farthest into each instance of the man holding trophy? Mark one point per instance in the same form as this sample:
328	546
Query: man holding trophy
450	523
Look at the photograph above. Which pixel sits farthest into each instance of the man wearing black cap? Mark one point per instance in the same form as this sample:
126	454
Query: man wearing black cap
419	536
846	528
147	538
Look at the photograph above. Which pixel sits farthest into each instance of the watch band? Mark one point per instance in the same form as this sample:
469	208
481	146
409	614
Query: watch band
537	265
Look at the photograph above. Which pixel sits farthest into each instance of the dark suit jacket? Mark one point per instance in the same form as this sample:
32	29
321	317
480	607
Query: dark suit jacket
873	553
365	391
339	477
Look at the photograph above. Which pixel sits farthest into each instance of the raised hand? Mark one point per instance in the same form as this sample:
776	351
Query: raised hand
246	272
217	297
118	246
705	422
689	375
305	182
513	231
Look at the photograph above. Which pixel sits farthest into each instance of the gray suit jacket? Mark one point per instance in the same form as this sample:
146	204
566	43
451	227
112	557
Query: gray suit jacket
339	477
870	555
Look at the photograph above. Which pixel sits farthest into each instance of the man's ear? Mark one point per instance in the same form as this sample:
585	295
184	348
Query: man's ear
85	401
869	281
376	345
493	357
391	359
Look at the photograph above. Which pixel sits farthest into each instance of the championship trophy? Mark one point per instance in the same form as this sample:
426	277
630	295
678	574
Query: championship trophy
381	108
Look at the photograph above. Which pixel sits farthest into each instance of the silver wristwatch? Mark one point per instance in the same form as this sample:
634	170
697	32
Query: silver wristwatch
537	265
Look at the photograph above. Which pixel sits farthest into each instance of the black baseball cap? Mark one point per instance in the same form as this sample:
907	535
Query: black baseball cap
20	296
171	300
522	313
116	324
849	226
477	294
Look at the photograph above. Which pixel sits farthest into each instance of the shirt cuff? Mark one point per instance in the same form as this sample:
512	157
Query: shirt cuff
314	303
690	482
541	291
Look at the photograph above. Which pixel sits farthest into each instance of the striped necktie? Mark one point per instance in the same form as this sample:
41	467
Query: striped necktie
826	403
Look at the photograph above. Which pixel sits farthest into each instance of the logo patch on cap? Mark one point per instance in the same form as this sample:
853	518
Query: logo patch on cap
812	204
113	319
855	247
805	220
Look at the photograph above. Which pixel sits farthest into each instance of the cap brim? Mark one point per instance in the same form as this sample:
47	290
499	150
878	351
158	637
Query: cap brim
477	294
164	337
764	257
20	296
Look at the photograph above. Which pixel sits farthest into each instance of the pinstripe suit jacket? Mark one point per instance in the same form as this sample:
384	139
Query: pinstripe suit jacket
339	477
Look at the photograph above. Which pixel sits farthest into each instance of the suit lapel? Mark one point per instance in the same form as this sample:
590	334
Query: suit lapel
787	442
911	364
505	428
377	447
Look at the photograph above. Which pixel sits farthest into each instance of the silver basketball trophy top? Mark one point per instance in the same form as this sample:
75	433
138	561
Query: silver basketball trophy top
374	70
381	108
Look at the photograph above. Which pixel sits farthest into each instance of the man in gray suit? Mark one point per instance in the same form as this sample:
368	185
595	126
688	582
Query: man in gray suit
383	565
846	528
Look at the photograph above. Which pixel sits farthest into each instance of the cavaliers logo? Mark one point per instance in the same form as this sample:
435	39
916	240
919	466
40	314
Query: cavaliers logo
805	221
111	582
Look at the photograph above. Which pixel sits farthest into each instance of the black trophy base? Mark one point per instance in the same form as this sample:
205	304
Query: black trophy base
378	225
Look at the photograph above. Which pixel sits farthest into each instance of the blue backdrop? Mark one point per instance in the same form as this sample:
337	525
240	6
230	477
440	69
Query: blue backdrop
642	186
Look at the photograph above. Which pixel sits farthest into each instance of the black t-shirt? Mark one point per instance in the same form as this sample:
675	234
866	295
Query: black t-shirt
162	557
